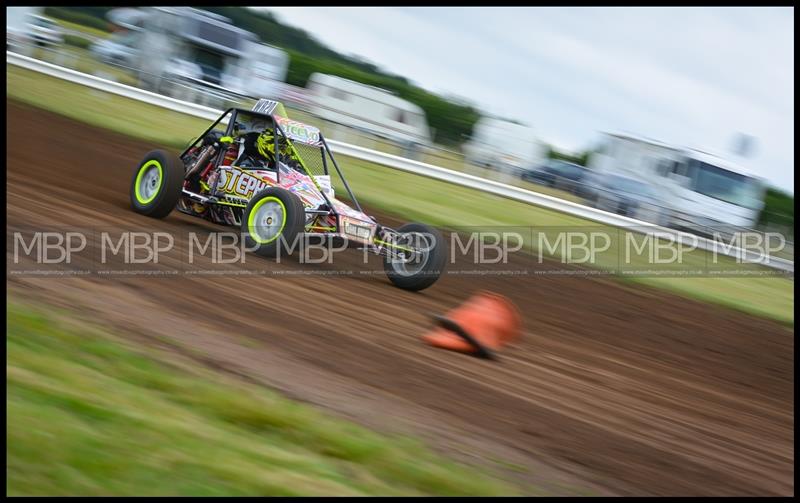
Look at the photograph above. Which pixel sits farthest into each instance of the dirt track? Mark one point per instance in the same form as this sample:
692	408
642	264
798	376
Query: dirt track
612	388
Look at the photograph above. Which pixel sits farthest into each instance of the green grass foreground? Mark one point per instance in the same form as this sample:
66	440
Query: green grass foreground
408	196
88	416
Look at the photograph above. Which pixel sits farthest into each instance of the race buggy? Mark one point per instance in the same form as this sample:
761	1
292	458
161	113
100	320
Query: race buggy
271	176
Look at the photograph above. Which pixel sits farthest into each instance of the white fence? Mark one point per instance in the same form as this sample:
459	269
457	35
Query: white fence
416	167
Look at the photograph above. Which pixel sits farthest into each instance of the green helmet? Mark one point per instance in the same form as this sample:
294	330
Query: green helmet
265	143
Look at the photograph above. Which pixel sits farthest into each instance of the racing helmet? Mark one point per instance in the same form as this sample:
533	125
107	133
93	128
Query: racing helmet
257	149
265	144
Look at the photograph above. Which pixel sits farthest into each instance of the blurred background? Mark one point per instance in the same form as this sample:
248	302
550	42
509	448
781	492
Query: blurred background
225	56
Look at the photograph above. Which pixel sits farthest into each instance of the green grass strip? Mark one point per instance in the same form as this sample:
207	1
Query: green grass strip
88	415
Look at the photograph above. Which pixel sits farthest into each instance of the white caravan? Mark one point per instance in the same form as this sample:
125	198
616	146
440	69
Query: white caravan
700	189
368	108
505	146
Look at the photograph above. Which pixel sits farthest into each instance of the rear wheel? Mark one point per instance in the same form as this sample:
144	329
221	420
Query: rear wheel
273	222
156	185
421	259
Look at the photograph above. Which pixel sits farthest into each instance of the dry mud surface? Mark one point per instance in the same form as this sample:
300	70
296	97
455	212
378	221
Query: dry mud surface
612	389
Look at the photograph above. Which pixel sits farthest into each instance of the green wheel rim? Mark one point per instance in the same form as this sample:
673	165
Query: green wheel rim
148	181
266	220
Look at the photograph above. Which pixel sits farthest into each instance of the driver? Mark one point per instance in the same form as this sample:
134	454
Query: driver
259	151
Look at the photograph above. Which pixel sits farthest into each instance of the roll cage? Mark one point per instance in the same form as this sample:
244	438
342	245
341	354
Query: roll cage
232	114
384	241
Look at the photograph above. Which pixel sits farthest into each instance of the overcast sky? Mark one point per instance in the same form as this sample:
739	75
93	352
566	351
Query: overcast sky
690	76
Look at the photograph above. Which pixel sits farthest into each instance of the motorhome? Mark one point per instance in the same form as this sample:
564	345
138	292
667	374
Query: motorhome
701	190
505	146
198	48
367	108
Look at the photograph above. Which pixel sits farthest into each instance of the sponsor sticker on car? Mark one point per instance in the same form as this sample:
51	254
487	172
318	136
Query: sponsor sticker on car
356	230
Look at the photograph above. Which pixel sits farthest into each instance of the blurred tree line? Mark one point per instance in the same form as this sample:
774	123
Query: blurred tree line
778	210
450	122
581	158
93	17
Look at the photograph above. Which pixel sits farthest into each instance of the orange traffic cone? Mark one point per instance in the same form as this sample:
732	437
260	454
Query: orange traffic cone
479	327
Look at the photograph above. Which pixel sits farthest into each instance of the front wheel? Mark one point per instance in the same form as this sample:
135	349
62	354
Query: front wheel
421	257
273	222
157	183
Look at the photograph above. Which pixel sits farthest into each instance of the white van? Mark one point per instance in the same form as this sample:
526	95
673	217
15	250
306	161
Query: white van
26	26
700	189
368	108
504	146
17	25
